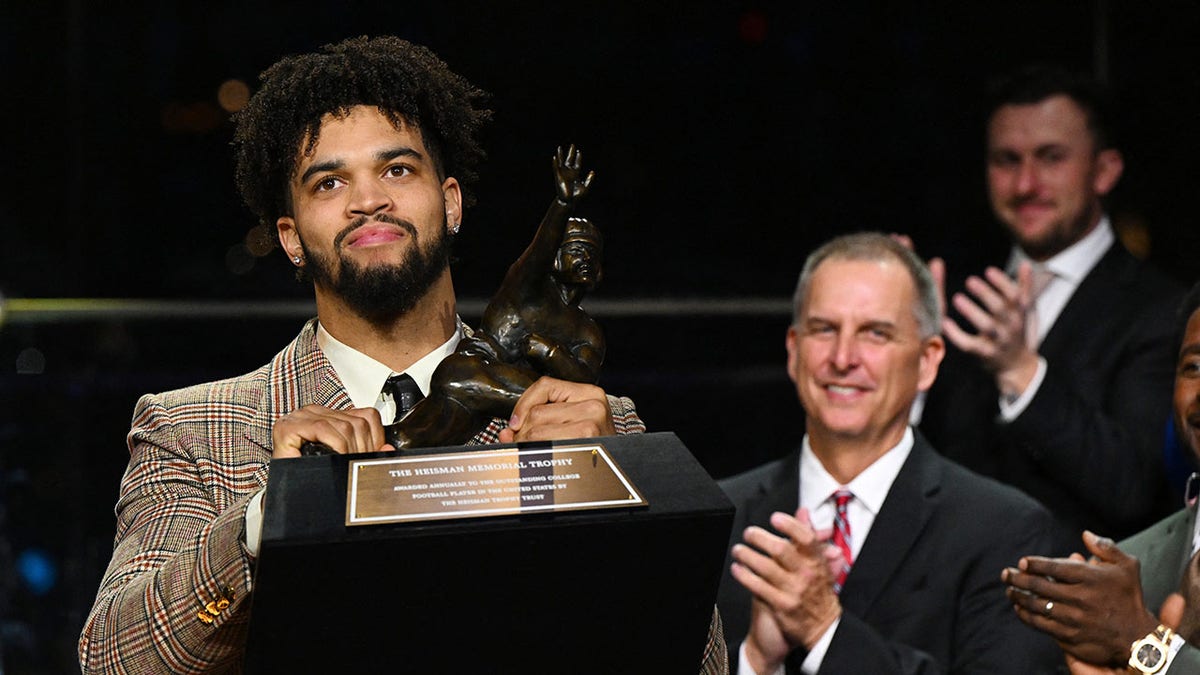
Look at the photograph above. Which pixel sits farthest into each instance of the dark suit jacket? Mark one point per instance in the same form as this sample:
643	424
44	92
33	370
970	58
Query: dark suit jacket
924	595
1164	550
1089	445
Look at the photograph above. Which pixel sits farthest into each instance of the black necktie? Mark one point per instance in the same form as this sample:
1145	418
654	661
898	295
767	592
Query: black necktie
405	393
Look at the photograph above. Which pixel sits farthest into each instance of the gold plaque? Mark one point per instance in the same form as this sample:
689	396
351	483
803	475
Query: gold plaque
486	483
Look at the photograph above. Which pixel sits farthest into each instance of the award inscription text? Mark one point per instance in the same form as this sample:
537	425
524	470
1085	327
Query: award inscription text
497	482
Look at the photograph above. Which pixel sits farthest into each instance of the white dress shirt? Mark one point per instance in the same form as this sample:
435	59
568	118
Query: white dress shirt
1196	536
363	378
870	488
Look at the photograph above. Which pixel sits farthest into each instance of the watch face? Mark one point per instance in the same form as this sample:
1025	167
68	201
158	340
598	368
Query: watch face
1149	655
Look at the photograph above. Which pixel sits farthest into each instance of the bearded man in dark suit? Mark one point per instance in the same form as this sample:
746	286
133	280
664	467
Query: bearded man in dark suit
360	155
1059	366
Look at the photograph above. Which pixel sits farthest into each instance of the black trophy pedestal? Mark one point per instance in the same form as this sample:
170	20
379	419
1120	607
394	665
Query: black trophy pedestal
602	591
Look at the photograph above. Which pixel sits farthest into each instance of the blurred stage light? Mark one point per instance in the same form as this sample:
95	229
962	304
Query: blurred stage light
31	361
752	27
1134	234
196	118
260	240
37	570
233	95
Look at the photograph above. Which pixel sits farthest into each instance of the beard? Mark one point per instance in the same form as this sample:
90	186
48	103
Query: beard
1050	243
1057	237
381	293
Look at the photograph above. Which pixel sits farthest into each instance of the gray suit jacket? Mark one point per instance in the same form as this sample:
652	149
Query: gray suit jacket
1164	550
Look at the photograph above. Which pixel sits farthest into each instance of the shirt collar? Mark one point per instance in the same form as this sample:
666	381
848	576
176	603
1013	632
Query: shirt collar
363	376
870	487
1075	261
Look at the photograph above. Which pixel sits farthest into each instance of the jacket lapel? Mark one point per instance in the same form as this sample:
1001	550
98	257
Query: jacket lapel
779	491
1164	551
1184	555
1093	297
298	376
906	510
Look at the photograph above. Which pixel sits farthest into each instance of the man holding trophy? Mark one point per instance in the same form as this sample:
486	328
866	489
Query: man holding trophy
361	155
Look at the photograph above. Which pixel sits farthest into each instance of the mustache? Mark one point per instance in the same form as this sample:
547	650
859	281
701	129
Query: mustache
1022	200
379	218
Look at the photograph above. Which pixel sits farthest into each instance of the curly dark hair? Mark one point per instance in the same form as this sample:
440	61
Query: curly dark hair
408	82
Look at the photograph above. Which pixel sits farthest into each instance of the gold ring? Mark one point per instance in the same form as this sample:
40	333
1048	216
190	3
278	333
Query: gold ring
1049	606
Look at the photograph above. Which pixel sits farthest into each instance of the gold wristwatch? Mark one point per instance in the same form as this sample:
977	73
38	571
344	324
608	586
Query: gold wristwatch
1149	654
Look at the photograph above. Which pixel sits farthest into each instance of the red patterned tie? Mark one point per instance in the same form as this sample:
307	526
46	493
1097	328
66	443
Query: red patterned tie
841	536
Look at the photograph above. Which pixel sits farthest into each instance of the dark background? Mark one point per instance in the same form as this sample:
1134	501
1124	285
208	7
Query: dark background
728	138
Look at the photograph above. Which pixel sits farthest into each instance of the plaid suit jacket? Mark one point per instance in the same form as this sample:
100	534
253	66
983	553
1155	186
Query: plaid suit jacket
175	597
